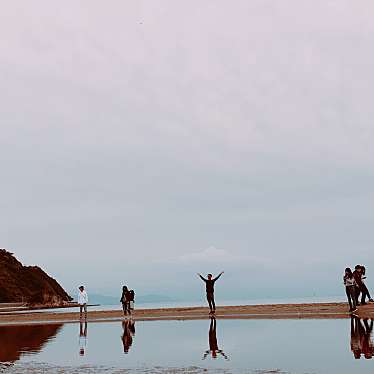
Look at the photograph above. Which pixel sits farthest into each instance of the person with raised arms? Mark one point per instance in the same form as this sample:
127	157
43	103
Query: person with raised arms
209	283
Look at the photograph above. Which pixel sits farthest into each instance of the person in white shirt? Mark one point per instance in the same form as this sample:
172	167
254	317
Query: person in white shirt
82	301
350	289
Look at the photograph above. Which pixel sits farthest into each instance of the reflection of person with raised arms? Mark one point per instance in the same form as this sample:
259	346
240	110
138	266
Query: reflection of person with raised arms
209	283
213	345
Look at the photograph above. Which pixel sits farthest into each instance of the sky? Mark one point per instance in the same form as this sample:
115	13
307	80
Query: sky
142	142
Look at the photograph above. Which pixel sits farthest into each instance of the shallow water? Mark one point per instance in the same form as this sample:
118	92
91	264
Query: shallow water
240	346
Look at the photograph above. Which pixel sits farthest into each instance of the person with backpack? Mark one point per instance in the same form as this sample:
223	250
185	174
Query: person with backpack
350	289
209	284
131	300
124	301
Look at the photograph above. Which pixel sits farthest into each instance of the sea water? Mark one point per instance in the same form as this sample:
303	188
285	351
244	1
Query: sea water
227	346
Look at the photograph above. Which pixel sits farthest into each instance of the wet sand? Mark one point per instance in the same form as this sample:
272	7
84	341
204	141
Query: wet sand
275	311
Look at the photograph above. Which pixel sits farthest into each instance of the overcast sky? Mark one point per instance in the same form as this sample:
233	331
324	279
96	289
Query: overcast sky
144	141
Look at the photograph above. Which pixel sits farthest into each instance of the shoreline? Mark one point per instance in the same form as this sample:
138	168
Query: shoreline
265	311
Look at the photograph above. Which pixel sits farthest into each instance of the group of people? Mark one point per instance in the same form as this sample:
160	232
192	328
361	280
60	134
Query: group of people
127	301
354	283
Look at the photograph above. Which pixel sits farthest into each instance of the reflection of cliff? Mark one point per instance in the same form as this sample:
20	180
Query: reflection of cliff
31	284
17	339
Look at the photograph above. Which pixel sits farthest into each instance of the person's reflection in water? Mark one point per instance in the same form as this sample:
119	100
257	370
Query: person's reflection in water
82	338
128	333
213	345
361	342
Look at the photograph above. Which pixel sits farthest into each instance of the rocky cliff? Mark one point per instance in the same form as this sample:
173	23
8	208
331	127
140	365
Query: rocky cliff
28	284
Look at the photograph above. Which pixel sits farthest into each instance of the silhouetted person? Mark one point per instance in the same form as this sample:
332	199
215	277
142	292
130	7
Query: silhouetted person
366	343
350	289
209	283
131	297
82	301
82	338
213	345
355	338
124	301
128	333
365	291
361	343
357	275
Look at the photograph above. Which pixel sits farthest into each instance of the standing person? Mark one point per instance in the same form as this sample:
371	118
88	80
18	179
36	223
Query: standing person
124	300
82	301
358	289
364	288
350	289
209	283
131	300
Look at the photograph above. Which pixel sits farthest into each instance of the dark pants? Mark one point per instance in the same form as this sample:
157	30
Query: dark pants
357	293
210	298
351	296
126	307
365	292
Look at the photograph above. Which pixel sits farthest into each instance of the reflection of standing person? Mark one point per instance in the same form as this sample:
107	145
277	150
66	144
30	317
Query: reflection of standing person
209	283
213	345
355	338
367	344
124	300
82	301
82	338
350	289
128	333
361	342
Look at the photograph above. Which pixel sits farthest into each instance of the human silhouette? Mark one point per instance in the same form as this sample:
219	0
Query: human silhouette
209	284
128	333
361	342
125	301
82	337
213	344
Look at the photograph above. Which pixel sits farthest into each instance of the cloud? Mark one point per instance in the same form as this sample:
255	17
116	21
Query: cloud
217	256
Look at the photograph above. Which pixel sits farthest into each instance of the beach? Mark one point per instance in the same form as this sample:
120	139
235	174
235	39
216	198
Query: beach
272	311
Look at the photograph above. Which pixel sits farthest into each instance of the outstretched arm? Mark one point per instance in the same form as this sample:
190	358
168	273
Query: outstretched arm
202	278
217	277
205	354
223	354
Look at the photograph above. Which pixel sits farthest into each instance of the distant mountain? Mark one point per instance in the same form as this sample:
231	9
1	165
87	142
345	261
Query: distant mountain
112	300
28	284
